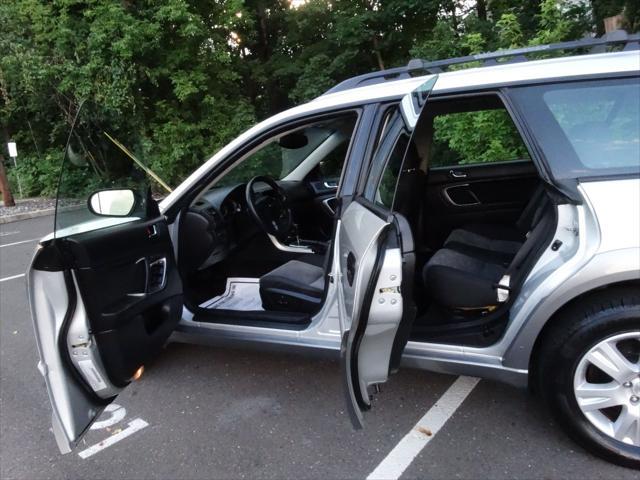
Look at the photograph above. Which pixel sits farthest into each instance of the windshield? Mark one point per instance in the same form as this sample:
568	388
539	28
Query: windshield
282	155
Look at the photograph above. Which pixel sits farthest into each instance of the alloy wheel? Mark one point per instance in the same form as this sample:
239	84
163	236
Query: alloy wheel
607	387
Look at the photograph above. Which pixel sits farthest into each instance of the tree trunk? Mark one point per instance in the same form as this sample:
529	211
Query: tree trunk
7	197
454	17
481	8
4	186
376	49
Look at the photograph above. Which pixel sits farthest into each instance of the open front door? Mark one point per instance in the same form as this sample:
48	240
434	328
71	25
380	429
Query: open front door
376	263
104	289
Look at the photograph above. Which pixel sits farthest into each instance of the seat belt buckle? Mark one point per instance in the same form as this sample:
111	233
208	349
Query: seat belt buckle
503	288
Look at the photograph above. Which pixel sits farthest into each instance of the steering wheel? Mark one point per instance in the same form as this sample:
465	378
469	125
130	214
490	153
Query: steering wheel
269	207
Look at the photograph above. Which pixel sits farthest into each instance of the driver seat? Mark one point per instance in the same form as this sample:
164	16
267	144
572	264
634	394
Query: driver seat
296	286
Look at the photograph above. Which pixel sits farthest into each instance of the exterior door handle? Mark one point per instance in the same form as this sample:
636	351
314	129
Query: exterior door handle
457	174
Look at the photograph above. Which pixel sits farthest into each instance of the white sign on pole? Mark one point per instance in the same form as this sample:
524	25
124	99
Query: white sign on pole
13	153
13	150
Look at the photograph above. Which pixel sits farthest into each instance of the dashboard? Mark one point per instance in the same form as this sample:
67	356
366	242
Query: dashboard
219	222
214	226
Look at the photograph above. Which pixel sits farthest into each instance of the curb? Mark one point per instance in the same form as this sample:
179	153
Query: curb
27	215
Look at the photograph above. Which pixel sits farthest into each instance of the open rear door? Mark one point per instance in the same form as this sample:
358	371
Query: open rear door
376	263
104	289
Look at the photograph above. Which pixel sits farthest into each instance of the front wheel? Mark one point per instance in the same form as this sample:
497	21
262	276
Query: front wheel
589	374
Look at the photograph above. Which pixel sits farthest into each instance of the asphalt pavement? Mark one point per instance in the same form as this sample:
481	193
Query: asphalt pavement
203	412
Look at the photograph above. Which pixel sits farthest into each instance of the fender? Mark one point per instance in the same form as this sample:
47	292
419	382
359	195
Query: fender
603	270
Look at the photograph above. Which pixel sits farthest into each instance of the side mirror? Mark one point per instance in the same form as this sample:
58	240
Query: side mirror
113	203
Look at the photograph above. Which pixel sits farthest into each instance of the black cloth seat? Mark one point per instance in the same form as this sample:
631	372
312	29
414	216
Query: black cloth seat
460	280
500	239
504	240
296	286
470	277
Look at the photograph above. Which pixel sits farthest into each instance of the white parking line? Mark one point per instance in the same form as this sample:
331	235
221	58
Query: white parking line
5	279
397	461
134	425
20	242
4	234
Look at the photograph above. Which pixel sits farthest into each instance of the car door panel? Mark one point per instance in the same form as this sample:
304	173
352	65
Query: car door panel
132	309
365	268
480	193
101	310
376	310
71	400
374	262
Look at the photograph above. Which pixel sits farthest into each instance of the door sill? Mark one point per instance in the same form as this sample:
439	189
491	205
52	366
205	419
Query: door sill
257	318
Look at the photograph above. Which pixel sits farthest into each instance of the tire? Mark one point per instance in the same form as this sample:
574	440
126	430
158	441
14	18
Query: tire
609	317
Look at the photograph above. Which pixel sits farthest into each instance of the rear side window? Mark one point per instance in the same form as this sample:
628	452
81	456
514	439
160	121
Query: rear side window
586	129
487	135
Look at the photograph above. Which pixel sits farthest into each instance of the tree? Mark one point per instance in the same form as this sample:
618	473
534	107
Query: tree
180	78
5	188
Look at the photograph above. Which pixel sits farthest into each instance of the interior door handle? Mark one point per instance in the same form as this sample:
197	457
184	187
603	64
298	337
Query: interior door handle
457	174
152	231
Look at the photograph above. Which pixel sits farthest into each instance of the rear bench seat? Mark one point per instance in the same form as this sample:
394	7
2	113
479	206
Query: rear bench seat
479	263
504	240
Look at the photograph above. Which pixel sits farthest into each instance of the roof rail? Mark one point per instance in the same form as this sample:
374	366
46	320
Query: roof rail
418	67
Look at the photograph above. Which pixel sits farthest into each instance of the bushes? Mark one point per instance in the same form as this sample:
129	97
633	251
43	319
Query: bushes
38	175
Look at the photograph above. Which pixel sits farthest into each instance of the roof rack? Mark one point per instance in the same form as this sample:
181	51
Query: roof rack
417	67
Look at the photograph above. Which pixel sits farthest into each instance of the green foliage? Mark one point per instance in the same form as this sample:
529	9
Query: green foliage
38	176
178	79
161	74
509	31
476	137
554	25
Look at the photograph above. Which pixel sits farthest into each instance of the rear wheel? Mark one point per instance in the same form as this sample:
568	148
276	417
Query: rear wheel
589	374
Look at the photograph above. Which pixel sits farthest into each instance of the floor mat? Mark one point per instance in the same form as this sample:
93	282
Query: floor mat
240	294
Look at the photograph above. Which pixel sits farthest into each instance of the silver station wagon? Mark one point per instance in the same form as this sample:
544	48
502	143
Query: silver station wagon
355	225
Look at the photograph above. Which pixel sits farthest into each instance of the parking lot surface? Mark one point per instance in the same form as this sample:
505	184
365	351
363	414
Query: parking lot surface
202	412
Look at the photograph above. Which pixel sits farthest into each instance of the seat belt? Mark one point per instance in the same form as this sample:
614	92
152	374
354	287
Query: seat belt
527	218
504	286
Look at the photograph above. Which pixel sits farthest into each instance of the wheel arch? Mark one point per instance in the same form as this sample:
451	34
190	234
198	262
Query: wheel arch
582	297
603	270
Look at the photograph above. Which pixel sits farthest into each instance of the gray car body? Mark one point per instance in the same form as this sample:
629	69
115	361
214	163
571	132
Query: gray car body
600	242
600	248
588	260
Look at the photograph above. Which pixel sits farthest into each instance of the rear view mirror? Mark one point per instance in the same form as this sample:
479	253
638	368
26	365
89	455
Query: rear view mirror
293	141
113	203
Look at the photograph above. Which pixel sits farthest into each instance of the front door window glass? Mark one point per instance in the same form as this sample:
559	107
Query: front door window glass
99	159
394	144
